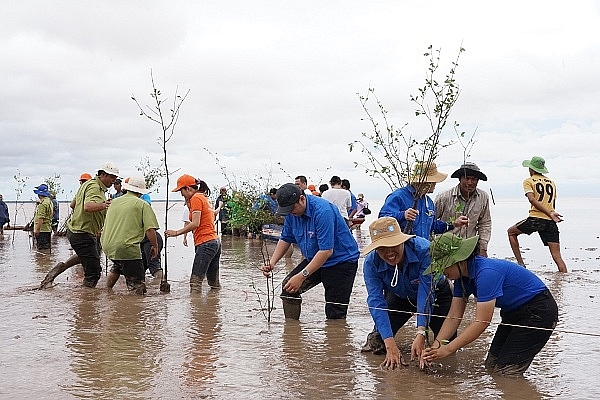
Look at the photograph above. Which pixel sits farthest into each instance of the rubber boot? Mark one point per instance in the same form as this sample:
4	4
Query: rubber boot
158	275
291	307
196	283
111	279
53	273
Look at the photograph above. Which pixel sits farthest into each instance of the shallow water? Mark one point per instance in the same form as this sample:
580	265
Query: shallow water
70	342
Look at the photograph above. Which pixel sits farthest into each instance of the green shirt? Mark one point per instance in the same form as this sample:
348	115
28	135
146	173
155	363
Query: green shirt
127	220
44	211
91	191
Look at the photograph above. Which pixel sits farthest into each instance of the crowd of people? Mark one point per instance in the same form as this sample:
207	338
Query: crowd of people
418	247
426	257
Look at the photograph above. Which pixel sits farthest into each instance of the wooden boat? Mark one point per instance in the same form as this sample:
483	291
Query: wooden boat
271	232
355	223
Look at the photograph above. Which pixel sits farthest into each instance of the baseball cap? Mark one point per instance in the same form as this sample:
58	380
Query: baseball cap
287	196
183	181
85	177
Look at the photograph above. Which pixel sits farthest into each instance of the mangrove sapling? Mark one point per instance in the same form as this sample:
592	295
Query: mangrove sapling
167	121
21	182
264	252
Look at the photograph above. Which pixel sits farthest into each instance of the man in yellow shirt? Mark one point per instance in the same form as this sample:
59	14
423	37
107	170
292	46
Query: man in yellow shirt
42	226
541	193
128	220
83	229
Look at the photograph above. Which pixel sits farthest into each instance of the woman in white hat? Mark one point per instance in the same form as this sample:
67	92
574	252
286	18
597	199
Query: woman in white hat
397	288
528	310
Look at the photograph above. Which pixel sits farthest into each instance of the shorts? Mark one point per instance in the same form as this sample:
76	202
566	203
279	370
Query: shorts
546	228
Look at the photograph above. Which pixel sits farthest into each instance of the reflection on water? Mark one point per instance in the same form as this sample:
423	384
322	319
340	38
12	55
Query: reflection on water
201	332
114	343
72	342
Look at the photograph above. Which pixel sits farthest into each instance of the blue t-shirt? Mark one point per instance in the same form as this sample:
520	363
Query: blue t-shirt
510	284
265	202
321	228
402	199
411	284
56	213
353	204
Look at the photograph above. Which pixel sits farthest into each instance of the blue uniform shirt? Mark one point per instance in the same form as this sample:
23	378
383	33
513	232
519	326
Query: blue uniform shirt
402	199
353	204
412	284
321	228
265	202
509	283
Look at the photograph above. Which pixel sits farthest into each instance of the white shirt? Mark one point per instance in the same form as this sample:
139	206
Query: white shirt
340	198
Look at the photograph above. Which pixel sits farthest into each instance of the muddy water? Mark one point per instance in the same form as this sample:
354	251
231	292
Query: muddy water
69	342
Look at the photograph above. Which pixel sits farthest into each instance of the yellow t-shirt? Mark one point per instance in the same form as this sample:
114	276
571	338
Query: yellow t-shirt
92	191
44	211
544	190
127	220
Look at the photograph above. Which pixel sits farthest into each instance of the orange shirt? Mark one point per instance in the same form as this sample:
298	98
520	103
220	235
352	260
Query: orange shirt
206	230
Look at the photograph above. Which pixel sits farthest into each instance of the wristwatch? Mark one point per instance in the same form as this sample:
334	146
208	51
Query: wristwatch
422	333
305	273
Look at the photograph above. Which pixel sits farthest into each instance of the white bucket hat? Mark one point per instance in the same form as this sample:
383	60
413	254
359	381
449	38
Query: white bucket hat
135	184
109	168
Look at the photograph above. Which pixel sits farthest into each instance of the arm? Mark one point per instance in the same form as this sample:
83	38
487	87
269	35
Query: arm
185	224
95	207
484	228
280	250
294	283
193	224
151	235
483	317
556	217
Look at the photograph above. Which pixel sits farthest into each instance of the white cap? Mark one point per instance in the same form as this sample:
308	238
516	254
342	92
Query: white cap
135	184
109	168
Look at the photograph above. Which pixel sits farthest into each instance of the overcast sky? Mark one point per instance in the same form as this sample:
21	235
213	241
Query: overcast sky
277	81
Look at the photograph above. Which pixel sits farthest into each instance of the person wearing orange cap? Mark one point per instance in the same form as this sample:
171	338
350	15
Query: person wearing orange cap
206	240
313	190
84	178
400	204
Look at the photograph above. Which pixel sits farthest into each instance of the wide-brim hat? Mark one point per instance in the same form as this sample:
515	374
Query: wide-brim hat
109	168
424	172
469	169
287	196
447	249
385	232
537	164
42	190
183	181
136	184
